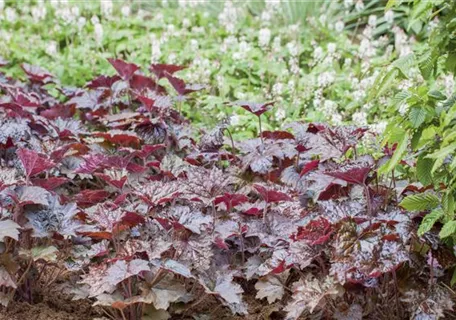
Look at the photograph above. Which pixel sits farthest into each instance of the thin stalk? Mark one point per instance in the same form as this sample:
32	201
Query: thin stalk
261	131
123	315
369	206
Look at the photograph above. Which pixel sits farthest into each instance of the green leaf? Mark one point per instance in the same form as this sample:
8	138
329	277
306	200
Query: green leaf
417	116
448	206
402	142
448	229
453	278
420	202
423	170
390	4
437	95
429	220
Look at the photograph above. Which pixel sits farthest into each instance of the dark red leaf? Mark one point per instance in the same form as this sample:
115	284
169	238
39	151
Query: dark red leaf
271	195
277	135
160	69
49	183
316	232
181	87
254	107
33	162
103	82
231	200
37	74
124	69
356	175
309	166
90	197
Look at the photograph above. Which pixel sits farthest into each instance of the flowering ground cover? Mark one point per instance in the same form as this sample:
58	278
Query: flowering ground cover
252	161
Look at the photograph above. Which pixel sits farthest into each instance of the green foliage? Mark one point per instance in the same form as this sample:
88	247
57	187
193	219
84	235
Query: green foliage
420	202
426	112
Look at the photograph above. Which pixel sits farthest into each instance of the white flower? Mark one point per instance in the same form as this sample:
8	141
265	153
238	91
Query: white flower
280	113
322	19
125	10
98	29
155	49
331	47
51	48
359	5
81	23
326	78
336	119
186	23
379	127
347	62
172	57
106	7
94	20
277	89
39	13
348	3
291	85
318	53
194	44
10	14
234	120
449	84
389	16
360	118
265	16
264	37
340	25
329	107
293	48
372	20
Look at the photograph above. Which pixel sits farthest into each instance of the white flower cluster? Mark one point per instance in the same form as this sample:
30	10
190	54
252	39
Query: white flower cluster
228	17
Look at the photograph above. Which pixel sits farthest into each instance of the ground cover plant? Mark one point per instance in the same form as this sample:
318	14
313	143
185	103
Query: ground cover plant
114	195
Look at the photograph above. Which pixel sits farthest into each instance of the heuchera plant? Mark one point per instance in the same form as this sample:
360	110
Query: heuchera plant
111	184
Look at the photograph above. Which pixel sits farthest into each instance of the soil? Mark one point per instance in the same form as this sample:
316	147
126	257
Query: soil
52	304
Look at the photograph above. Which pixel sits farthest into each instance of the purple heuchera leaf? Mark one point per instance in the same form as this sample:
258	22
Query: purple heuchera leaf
33	162
124	69
160	69
254	107
122	270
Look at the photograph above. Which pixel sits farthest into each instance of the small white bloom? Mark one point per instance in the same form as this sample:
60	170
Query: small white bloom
348	3
336	119
277	89
318	53
125	10
389	16
98	29
264	37
372	20
94	20
331	47
106	7
10	14
322	19
51	48
340	25
39	13
360	118
359	5
81	23
235	119
293	48
172	57
194	44
280	113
